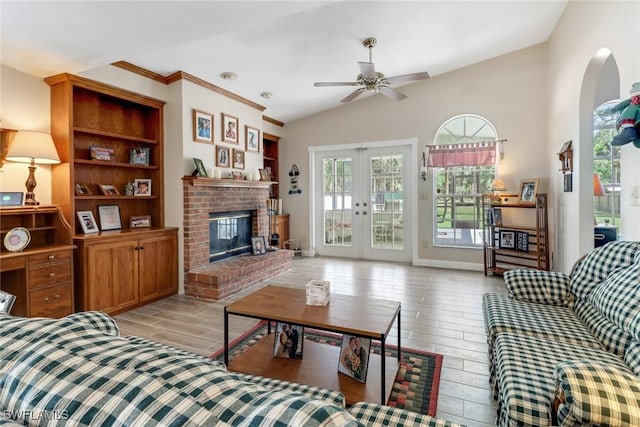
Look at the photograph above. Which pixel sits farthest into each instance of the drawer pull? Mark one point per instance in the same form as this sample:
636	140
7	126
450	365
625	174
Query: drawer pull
52	257
52	275
54	298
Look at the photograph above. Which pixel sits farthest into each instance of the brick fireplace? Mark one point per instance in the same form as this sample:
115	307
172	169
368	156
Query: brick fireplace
203	196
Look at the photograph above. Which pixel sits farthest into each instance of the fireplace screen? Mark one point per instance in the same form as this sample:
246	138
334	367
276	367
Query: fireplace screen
229	234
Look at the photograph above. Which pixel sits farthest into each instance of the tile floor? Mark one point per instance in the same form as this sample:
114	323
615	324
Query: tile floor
441	312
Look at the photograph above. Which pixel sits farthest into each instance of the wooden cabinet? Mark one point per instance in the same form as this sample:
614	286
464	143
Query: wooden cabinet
270	158
282	228
123	270
40	276
515	236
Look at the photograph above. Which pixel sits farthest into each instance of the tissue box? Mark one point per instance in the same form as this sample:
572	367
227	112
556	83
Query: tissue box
318	292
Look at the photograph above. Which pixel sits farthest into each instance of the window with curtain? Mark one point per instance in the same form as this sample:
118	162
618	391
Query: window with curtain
463	159
606	163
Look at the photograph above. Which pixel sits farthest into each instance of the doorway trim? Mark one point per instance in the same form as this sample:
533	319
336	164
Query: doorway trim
413	174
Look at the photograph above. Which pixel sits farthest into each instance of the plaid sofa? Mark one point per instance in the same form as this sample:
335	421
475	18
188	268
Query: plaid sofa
565	348
78	371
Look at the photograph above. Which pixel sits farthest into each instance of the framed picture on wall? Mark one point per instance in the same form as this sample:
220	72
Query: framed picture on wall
202	127
252	136
238	159
229	128
222	157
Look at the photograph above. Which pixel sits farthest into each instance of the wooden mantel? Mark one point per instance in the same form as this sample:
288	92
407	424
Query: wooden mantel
199	181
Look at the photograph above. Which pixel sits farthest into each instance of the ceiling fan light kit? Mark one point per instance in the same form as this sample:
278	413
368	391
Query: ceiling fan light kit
371	80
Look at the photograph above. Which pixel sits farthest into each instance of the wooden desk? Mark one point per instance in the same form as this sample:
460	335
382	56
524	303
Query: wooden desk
41	275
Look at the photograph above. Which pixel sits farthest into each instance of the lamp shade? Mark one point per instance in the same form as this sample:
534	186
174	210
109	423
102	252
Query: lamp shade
598	188
498	185
36	146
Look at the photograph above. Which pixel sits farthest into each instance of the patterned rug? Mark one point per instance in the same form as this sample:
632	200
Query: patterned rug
415	387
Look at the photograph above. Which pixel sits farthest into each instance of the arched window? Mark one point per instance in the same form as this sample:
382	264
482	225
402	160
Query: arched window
606	164
458	189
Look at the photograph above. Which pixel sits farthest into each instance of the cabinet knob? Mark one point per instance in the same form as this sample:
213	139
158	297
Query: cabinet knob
52	257
53	298
52	275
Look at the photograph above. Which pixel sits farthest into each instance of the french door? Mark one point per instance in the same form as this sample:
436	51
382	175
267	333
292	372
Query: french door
363	207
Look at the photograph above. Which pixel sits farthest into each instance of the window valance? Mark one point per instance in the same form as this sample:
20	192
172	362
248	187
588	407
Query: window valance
467	154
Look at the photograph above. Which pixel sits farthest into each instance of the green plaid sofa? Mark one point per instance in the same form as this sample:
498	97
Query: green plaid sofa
78	371
565	348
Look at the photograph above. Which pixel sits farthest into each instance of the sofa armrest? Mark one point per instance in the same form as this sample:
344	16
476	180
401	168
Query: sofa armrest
592	393
97	320
543	287
373	414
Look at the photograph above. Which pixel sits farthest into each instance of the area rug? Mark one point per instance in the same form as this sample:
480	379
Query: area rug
415	387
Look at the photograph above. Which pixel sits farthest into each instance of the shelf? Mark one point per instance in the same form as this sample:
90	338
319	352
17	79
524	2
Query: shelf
518	205
508	227
114	135
119	197
113	164
516	254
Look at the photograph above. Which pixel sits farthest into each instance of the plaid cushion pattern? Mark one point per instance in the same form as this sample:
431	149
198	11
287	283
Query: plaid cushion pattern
98	320
330	396
599	263
632	357
610	336
525	375
618	297
597	394
373	414
544	287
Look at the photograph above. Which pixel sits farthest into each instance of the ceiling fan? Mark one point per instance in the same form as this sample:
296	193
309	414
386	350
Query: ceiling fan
370	80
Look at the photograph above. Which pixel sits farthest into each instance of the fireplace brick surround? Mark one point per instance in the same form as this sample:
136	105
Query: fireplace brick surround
220	279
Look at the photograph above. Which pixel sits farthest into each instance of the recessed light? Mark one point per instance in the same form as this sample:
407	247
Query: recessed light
229	75
266	95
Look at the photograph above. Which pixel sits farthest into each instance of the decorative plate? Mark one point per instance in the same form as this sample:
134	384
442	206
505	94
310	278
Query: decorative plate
17	239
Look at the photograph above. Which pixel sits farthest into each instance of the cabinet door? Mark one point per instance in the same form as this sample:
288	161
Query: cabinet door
158	266
282	228
112	276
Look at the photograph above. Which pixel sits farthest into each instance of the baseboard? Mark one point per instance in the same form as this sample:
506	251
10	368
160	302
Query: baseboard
452	265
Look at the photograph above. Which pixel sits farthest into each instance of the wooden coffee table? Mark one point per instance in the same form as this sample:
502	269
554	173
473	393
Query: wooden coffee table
345	314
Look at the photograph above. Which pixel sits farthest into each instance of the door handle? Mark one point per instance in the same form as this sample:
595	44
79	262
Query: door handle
357	213
364	212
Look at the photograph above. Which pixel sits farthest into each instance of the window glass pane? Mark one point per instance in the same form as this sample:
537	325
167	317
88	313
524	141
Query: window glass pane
337	201
387	219
606	163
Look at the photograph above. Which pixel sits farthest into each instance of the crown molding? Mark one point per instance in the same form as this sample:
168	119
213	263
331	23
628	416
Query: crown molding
273	121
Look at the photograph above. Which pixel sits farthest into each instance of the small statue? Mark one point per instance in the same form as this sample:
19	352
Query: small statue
128	188
629	122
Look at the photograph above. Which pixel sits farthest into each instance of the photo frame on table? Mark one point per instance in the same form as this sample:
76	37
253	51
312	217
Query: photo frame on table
6	302
87	222
11	198
258	245
252	138
140	221
102	153
223	157
17	239
496	217
109	217
238	159
265	174
522	241
139	156
142	187
507	239
200	169
354	357
109	190
202	127
236	175
229	128
528	191
288	341
81	189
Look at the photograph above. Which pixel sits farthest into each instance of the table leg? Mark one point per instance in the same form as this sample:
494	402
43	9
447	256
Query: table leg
226	337
399	355
382	370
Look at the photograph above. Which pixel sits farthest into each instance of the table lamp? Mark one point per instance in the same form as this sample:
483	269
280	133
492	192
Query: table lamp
497	186
32	147
598	190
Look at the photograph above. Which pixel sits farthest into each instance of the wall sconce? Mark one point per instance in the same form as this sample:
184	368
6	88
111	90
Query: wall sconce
32	147
423	168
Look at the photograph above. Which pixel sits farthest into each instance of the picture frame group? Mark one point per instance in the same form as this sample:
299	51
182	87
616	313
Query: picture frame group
288	341
513	239
354	357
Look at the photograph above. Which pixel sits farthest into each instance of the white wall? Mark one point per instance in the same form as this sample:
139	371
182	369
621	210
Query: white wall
509	91
583	29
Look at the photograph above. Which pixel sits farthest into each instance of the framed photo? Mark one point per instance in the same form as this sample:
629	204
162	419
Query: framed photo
265	175
288	341
354	357
496	217
87	222
201	171
522	241
11	198
139	156
109	217
101	153
6	302
258	245
109	190
507	239
17	239
229	128
252	138
528	191
236	175
202	127
142	187
82	189
568	182
140	221
222	157
238	159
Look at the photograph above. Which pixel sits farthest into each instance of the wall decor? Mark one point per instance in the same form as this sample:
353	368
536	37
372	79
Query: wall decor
82	189
139	156
568	182
202	127
229	128
109	190
528	191
566	157
140	221
142	187
87	222
102	153
252	138
200	169
222	157
238	159
109	217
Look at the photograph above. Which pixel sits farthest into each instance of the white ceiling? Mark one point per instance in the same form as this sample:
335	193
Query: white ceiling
281	47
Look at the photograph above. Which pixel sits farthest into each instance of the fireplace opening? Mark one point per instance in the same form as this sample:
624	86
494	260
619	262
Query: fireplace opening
229	234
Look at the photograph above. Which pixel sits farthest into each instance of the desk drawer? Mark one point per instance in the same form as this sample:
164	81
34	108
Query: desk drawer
48	274
15	263
54	301
47	257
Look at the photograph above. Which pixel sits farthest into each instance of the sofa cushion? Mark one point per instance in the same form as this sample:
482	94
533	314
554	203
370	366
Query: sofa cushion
373	414
98	320
525	375
599	263
544	287
612	338
632	357
618	297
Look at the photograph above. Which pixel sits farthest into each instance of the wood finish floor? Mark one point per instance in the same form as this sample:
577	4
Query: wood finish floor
441	313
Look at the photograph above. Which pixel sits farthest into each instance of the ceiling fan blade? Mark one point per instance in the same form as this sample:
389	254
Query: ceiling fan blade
353	95
406	78
368	70
392	93
323	84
